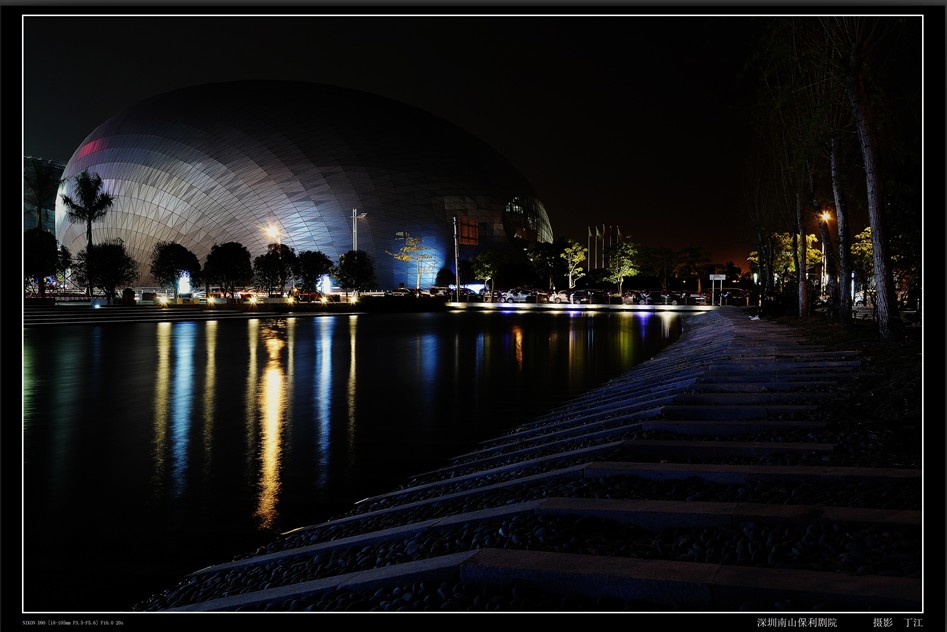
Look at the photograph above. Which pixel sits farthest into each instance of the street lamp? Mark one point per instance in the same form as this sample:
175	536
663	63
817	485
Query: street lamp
273	233
355	217
825	217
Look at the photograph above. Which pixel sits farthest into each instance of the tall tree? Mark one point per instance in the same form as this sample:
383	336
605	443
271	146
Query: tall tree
485	266
107	266
574	254
311	265
355	271
274	269
622	261
40	257
416	252
170	261
89	203
228	266
796	131
659	262
42	179
691	260
857	39
543	257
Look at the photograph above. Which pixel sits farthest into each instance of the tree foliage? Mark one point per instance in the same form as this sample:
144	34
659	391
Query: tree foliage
574	254
691	263
43	257
486	265
445	277
356	271
272	270
107	266
545	260
228	266
622	261
42	180
170	261
414	251
88	204
658	262
312	265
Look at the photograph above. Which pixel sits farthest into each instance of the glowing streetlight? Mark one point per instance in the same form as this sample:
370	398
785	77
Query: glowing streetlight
273	233
824	220
355	217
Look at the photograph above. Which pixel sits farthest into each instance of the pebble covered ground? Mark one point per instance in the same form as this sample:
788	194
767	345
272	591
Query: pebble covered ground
511	472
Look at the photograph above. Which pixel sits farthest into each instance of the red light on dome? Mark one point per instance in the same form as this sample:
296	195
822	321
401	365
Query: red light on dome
91	147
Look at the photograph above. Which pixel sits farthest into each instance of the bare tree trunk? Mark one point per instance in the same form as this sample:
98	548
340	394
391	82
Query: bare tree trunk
799	253
884	283
844	241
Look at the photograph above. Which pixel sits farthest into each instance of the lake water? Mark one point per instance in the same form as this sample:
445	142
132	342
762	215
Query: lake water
153	450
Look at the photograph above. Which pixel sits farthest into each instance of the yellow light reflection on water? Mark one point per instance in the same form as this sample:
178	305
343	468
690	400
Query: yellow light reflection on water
518	345
353	325
666	319
253	336
272	399
161	396
210	379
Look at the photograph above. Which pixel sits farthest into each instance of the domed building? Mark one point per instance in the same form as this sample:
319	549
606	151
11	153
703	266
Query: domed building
312	166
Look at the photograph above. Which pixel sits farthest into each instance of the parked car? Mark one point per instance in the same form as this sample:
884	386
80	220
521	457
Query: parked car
399	291
490	296
589	296
519	295
651	297
559	296
465	294
694	298
309	297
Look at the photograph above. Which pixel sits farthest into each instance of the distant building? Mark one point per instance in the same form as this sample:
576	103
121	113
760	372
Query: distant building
32	207
254	161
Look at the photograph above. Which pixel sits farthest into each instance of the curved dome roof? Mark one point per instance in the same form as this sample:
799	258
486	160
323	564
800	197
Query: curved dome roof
224	162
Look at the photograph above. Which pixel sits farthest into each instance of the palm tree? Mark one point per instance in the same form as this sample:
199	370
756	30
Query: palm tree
89	204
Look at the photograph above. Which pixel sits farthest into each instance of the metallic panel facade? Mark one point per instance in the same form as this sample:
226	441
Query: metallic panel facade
226	162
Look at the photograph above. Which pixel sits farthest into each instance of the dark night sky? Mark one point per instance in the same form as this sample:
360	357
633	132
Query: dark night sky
638	121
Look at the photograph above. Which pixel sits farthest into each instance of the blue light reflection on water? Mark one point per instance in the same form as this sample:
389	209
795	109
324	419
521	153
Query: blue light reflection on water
212	436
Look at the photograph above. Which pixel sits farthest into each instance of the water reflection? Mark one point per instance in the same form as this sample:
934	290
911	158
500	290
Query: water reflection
173	400
351	387
272	396
518	345
162	395
322	394
209	396
198	434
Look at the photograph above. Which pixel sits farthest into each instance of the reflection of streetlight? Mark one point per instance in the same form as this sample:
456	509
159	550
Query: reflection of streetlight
356	216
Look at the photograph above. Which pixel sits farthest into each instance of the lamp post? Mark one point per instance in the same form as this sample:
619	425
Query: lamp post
823	280
355	217
456	264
